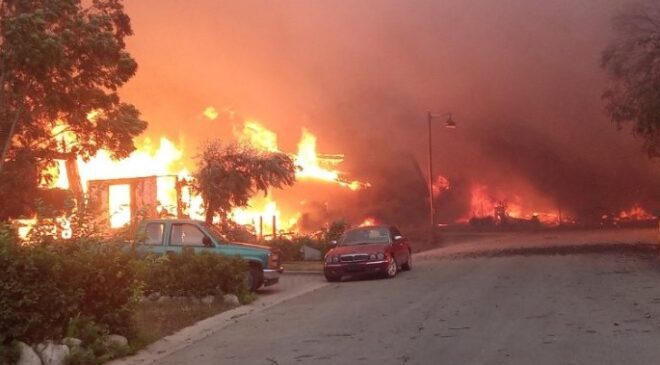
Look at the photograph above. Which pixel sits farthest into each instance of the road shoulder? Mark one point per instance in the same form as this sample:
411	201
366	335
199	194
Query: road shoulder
209	326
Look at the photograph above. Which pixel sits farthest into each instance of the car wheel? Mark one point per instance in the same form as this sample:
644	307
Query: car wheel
253	278
392	269
408	265
332	278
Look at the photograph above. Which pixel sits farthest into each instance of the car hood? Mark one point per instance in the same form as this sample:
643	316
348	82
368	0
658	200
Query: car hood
251	245
369	249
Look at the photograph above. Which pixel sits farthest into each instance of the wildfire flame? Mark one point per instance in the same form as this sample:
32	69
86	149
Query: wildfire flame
440	185
484	204
166	159
311	165
367	222
635	213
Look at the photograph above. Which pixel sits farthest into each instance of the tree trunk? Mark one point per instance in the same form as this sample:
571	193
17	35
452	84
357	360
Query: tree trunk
73	175
209	215
7	141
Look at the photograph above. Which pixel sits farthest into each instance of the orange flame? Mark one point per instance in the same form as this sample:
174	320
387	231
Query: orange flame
367	222
636	212
166	159
440	185
483	204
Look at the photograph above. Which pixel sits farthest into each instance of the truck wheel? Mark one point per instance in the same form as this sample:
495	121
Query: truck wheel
254	278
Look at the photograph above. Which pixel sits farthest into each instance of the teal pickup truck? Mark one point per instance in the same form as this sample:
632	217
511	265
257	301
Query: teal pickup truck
163	236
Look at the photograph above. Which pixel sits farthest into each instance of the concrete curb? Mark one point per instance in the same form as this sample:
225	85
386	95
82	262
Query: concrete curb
204	328
304	272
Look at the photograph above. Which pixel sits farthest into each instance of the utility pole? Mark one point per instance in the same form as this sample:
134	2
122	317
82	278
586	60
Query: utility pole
431	208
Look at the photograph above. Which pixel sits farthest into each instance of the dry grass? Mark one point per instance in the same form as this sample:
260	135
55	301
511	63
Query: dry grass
156	320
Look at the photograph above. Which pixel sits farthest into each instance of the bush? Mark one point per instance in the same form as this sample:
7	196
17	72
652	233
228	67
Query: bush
44	286
94	349
190	274
291	248
87	288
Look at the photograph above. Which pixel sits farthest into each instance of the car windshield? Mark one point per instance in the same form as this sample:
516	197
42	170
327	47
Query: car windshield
215	232
366	235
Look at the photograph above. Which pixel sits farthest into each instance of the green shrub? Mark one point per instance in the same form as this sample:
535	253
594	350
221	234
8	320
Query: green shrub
94	349
44	286
291	248
193	274
87	287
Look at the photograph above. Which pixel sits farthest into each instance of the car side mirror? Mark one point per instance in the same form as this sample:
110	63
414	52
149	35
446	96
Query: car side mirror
207	242
332	244
398	238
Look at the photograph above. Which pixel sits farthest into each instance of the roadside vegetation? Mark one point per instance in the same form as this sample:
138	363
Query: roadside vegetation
291	247
96	290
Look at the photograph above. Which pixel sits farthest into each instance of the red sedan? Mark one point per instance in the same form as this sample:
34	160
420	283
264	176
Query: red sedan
377	249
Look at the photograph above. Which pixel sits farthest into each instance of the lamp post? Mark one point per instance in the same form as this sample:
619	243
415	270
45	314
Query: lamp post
449	123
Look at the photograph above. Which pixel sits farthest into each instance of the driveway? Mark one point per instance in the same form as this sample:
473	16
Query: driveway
541	309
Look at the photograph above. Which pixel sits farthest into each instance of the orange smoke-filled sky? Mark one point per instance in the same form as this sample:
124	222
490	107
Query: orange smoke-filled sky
517	75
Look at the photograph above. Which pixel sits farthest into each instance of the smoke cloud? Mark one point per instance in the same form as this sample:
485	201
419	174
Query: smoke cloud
522	79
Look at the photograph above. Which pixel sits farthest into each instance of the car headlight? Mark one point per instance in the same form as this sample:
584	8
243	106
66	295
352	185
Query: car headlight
372	256
381	256
335	259
328	259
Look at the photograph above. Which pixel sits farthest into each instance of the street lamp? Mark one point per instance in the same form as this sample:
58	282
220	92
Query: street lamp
449	123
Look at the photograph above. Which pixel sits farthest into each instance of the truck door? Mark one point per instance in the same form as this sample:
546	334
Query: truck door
154	238
186	236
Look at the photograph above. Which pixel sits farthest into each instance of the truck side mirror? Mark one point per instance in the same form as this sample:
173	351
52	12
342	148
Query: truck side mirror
207	242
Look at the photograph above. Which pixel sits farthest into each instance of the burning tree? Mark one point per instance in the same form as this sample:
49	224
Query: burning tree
633	62
228	175
61	64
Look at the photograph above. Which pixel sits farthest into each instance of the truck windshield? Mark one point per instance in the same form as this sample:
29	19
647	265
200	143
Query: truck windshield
215	232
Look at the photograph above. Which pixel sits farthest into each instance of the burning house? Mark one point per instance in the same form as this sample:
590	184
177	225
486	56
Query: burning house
154	181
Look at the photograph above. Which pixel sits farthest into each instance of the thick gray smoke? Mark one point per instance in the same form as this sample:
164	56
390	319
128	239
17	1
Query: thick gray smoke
521	77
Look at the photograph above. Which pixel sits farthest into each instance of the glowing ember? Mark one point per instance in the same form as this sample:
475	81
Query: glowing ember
210	113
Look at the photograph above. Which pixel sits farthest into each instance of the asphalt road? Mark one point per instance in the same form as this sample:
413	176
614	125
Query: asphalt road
539	309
